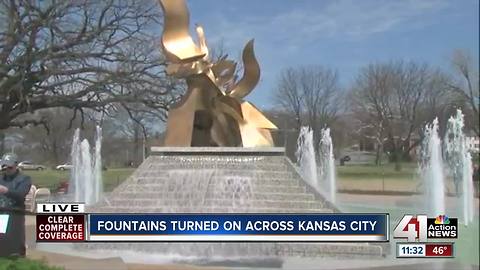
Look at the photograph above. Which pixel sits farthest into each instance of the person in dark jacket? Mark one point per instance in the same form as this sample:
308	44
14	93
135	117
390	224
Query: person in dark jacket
14	186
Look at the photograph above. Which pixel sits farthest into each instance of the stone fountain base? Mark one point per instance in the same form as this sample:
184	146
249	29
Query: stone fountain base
223	180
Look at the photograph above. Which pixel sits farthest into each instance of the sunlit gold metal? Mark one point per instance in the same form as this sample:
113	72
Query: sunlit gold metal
212	112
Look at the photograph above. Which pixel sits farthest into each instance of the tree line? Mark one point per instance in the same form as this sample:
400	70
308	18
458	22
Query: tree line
387	104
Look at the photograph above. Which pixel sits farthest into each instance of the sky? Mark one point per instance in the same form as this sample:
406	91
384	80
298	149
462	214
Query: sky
341	34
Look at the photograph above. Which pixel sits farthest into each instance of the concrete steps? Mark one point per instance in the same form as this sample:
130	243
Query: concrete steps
231	166
203	209
218	183
161	187
252	172
193	201
224	180
218	195
252	250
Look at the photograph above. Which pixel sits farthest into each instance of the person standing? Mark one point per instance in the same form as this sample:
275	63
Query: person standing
14	186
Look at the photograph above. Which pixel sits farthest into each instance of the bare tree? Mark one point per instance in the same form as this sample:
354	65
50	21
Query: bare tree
310	94
320	91
288	94
134	126
80	55
439	102
388	100
49	144
465	84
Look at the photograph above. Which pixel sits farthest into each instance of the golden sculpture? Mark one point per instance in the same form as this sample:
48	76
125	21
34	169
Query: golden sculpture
212	112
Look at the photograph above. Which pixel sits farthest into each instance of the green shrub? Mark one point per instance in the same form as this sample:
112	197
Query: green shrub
24	264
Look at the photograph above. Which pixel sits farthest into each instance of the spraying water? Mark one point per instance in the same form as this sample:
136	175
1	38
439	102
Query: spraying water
74	186
460	165
305	155
327	163
86	179
97	171
431	167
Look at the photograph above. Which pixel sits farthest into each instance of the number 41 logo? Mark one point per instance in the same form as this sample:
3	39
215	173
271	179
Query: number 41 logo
412	228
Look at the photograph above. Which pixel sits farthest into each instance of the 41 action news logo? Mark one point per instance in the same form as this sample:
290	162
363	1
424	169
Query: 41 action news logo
422	228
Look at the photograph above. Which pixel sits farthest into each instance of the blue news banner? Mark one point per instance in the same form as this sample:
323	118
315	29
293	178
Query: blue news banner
239	227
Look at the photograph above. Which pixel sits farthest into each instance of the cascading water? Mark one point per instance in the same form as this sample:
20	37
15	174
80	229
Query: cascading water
86	180
327	163
97	171
431	167
86	176
460	164
305	155
74	186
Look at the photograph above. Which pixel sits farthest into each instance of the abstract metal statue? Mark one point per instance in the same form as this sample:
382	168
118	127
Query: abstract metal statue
212	112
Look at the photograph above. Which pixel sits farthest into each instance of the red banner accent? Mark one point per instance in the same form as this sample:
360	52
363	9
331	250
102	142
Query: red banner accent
60	228
439	250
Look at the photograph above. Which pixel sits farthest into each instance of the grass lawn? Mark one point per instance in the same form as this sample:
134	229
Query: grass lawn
51	178
377	178
382	178
24	264
372	172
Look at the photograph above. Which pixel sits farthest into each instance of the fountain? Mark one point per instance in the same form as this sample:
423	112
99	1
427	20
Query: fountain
306	158
75	156
220	180
327	164
219	157
431	170
86	174
460	165
97	167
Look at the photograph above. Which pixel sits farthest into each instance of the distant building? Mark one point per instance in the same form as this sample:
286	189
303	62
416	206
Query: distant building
473	143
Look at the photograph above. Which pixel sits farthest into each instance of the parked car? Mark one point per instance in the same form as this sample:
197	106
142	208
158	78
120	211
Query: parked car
63	167
357	158
68	166
28	165
344	159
